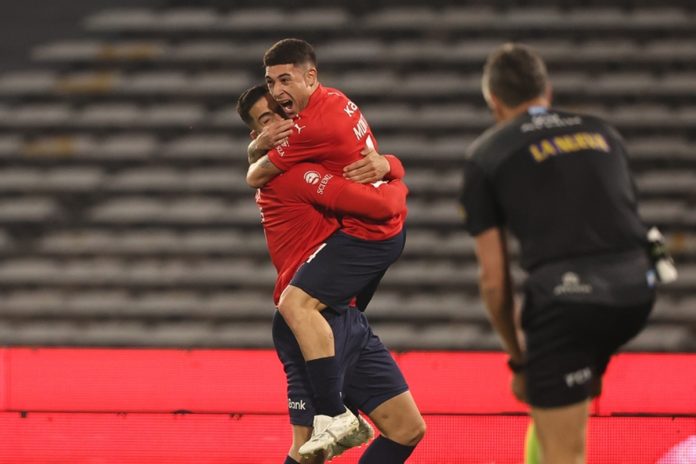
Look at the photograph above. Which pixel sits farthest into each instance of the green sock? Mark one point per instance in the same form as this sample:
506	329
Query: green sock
532	453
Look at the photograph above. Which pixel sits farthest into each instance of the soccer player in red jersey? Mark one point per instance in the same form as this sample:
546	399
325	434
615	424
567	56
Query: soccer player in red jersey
324	127
299	211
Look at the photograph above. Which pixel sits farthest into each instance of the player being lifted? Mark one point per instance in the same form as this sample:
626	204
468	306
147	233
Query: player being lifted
324	127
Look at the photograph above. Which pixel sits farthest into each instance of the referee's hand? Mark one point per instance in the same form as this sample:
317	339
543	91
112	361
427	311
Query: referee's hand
518	387
372	168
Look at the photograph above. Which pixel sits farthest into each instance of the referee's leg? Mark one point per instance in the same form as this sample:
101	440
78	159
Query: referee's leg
562	432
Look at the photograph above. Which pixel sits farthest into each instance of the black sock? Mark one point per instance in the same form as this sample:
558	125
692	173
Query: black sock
325	377
289	460
385	451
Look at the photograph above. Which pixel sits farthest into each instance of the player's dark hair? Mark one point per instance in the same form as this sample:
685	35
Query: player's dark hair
247	99
515	73
290	51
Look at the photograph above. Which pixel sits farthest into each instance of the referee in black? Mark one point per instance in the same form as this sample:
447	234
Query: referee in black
560	183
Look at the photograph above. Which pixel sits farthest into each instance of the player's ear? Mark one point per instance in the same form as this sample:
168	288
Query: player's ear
311	76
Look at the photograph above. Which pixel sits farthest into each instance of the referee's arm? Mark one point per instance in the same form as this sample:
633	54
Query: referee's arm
495	284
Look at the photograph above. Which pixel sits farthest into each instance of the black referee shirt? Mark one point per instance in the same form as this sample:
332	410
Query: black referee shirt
559	181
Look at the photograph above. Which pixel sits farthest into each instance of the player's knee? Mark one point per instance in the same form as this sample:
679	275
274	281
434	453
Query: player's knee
293	313
411	433
289	311
294	305
418	432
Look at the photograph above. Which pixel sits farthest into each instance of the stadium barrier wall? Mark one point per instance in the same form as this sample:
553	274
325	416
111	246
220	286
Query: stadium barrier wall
63	405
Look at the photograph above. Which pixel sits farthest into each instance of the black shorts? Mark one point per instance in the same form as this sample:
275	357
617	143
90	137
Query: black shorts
569	346
346	267
370	376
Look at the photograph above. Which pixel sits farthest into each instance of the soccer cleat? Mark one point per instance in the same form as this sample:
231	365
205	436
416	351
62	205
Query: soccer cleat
328	431
364	434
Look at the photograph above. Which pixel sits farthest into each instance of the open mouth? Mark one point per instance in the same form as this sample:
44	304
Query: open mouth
286	105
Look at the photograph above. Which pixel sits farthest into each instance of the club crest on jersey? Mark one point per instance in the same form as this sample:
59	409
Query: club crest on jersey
312	177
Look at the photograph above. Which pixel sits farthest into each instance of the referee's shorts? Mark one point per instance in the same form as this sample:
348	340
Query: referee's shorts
569	346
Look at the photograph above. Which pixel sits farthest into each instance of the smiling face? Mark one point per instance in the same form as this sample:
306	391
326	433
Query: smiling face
291	85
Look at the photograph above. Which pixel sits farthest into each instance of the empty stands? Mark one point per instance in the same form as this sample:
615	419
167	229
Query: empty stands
124	218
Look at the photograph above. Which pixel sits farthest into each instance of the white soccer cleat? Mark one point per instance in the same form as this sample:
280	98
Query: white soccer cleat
364	434
328	432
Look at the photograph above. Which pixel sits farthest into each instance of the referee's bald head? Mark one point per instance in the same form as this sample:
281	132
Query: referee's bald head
514	73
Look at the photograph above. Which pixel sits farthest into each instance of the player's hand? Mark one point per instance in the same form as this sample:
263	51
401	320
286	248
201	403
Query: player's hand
519	388
372	168
274	134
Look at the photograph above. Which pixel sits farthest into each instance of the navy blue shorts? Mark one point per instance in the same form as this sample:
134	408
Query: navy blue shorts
370	376
344	267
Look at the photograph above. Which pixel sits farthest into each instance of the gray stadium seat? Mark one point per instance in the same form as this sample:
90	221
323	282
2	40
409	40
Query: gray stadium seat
662	338
607	50
155	83
255	19
662	211
40	115
110	114
28	209
132	209
186	19
478	16
121	19
206	147
662	17
660	148
177	115
531	17
363	83
402	17
222	83
27	82
670	50
596	18
350	50
667	182
153	179
127	147
318	19
30	303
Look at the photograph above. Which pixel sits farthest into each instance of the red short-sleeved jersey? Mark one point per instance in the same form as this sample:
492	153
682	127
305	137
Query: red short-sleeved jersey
332	131
299	211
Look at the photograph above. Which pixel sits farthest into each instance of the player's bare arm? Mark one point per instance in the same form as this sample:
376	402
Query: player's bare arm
496	291
372	168
261	172
274	133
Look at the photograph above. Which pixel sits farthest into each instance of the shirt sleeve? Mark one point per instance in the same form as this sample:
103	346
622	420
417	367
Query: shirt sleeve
315	185
396	169
480	206
312	143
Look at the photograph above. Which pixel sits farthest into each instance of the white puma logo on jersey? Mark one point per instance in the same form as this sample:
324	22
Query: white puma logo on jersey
299	128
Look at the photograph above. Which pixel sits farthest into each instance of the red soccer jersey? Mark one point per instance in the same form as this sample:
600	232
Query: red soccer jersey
299	211
332	131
